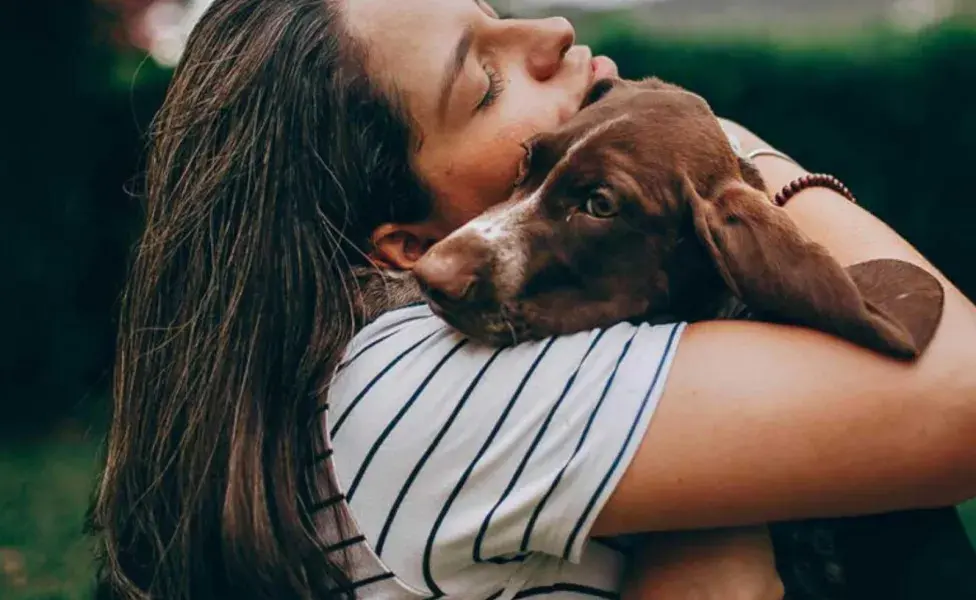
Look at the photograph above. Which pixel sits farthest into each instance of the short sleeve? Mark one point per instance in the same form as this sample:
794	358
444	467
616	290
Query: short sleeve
455	454
733	138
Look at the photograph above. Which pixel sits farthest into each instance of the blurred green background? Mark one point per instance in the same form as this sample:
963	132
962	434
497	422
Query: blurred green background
883	98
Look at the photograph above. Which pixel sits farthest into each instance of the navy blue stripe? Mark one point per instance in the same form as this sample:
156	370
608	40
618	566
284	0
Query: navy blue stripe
428	577
396	420
535	443
476	549
370	345
365	348
370	580
381	540
362	394
327	453
572	588
500	560
527	536
464	478
327	503
623	448
345	544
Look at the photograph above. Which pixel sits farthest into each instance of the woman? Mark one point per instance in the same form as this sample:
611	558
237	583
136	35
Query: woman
302	137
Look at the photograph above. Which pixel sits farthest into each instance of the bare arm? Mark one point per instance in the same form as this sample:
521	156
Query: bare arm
762	422
712	564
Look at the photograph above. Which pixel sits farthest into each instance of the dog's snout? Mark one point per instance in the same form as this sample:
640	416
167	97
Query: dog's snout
454	269
450	275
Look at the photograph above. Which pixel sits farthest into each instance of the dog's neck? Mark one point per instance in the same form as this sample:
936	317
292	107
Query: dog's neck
696	291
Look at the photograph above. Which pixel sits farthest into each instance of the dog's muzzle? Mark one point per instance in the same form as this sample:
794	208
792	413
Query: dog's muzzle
456	272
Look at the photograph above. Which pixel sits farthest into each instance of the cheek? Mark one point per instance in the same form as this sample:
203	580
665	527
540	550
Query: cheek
492	151
474	170
474	177
535	107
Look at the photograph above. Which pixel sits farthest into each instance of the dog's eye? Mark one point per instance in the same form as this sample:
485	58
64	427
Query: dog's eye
601	205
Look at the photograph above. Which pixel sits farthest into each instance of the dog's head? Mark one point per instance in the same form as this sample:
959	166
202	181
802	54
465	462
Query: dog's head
637	207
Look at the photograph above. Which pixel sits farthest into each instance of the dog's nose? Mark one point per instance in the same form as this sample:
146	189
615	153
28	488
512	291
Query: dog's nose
449	275
452	269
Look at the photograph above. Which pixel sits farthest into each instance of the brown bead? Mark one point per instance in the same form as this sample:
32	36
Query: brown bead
809	181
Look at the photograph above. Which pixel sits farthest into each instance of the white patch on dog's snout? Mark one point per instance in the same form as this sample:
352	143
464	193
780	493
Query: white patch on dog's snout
501	228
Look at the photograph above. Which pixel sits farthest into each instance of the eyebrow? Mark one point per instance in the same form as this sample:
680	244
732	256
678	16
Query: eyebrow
453	69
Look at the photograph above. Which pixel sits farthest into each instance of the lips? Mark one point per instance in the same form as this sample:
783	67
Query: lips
603	68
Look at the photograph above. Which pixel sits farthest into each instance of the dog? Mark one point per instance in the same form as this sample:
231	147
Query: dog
638	209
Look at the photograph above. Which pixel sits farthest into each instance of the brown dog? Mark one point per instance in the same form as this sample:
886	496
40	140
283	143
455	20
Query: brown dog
638	209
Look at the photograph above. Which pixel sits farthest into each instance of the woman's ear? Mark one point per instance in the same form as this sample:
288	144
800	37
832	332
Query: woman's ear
398	246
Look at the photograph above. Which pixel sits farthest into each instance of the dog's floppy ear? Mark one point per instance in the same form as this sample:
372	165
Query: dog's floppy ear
768	263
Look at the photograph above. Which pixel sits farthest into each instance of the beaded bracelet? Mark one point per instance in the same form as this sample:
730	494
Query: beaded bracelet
804	182
811	181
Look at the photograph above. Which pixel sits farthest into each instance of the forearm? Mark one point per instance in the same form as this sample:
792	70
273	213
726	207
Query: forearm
762	422
947	371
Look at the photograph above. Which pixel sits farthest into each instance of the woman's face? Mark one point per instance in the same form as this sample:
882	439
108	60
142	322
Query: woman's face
476	86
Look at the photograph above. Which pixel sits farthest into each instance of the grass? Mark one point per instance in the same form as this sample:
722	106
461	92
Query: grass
44	490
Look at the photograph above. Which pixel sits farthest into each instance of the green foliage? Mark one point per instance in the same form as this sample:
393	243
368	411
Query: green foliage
44	489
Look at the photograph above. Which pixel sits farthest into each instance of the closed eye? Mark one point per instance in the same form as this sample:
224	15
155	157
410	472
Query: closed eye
495	89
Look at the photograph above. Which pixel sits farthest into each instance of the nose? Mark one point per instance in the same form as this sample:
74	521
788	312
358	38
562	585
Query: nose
551	40
454	269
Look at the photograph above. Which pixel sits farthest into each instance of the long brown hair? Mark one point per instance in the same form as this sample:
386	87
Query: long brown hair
271	160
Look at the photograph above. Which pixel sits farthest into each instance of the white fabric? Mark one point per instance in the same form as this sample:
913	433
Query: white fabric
733	138
474	472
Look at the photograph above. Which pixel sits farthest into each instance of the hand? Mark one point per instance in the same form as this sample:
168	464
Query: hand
719	564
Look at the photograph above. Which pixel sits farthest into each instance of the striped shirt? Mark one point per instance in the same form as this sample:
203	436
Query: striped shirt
477	472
